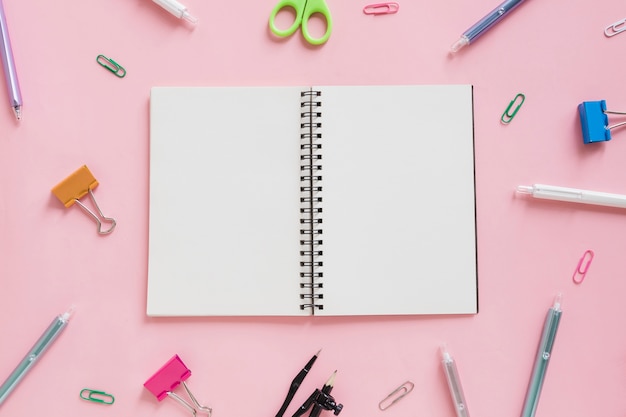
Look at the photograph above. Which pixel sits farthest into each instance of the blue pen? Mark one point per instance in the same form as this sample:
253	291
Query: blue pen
485	23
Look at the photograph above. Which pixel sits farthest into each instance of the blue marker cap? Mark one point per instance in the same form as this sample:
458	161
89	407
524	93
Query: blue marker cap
594	121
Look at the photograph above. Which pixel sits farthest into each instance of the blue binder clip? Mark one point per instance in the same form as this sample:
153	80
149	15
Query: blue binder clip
594	121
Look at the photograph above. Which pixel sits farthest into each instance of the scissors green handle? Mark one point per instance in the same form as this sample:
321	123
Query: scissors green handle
304	10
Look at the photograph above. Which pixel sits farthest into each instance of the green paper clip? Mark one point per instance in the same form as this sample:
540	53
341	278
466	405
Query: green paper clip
507	116
96	396
111	65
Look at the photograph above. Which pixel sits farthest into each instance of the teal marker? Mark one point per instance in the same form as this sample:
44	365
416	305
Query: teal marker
542	359
52	332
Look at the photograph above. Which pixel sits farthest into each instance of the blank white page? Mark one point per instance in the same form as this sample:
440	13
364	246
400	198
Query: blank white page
398	199
399	234
224	201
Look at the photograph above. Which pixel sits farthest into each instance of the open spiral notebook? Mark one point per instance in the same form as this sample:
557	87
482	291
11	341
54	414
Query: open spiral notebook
333	200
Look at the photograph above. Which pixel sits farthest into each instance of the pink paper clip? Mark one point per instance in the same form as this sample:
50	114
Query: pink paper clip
165	380
581	270
381	8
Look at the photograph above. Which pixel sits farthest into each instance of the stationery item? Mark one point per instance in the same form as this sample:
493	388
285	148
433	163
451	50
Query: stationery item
80	183
381	8
544	352
615	28
321	400
396	395
304	10
573	195
336	200
111	65
163	383
594	121
454	383
583	266
177	9
8	64
512	108
295	384
34	354
100	397
484	24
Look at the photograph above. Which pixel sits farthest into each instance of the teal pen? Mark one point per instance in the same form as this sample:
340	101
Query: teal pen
544	352
43	343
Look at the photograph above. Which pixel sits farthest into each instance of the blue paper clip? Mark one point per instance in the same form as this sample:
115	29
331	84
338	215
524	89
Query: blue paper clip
594	121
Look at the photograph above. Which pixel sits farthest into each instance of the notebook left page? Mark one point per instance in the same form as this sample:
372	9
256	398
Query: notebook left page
224	201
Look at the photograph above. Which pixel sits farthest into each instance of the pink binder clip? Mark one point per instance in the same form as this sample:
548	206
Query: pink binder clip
163	383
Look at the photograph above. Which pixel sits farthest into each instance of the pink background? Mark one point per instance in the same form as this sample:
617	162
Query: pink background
77	113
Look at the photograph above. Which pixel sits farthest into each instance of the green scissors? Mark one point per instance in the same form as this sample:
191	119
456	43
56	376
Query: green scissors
304	10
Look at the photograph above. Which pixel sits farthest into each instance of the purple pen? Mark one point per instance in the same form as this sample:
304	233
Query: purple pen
484	24
13	86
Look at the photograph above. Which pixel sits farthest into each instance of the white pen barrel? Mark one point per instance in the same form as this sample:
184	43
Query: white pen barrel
172	6
456	391
579	196
454	383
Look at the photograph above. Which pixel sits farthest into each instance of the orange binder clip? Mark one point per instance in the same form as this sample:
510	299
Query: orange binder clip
75	187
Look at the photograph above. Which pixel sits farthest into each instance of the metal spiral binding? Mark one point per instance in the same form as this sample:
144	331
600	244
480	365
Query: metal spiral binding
311	201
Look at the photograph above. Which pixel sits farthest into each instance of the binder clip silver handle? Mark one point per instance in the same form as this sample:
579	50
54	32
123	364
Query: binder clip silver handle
193	408
99	218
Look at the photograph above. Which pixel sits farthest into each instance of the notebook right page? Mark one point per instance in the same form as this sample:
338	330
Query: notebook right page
399	224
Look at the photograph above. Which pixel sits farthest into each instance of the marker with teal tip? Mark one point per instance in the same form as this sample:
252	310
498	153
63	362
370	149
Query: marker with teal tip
39	348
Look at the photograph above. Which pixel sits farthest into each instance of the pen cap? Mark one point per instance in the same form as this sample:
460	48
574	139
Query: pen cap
177	9
172	6
70	311
460	43
594	121
166	379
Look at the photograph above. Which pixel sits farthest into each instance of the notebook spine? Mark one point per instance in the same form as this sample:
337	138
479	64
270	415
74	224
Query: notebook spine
311	286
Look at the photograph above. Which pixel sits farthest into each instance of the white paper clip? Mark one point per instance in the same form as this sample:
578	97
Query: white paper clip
616	28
